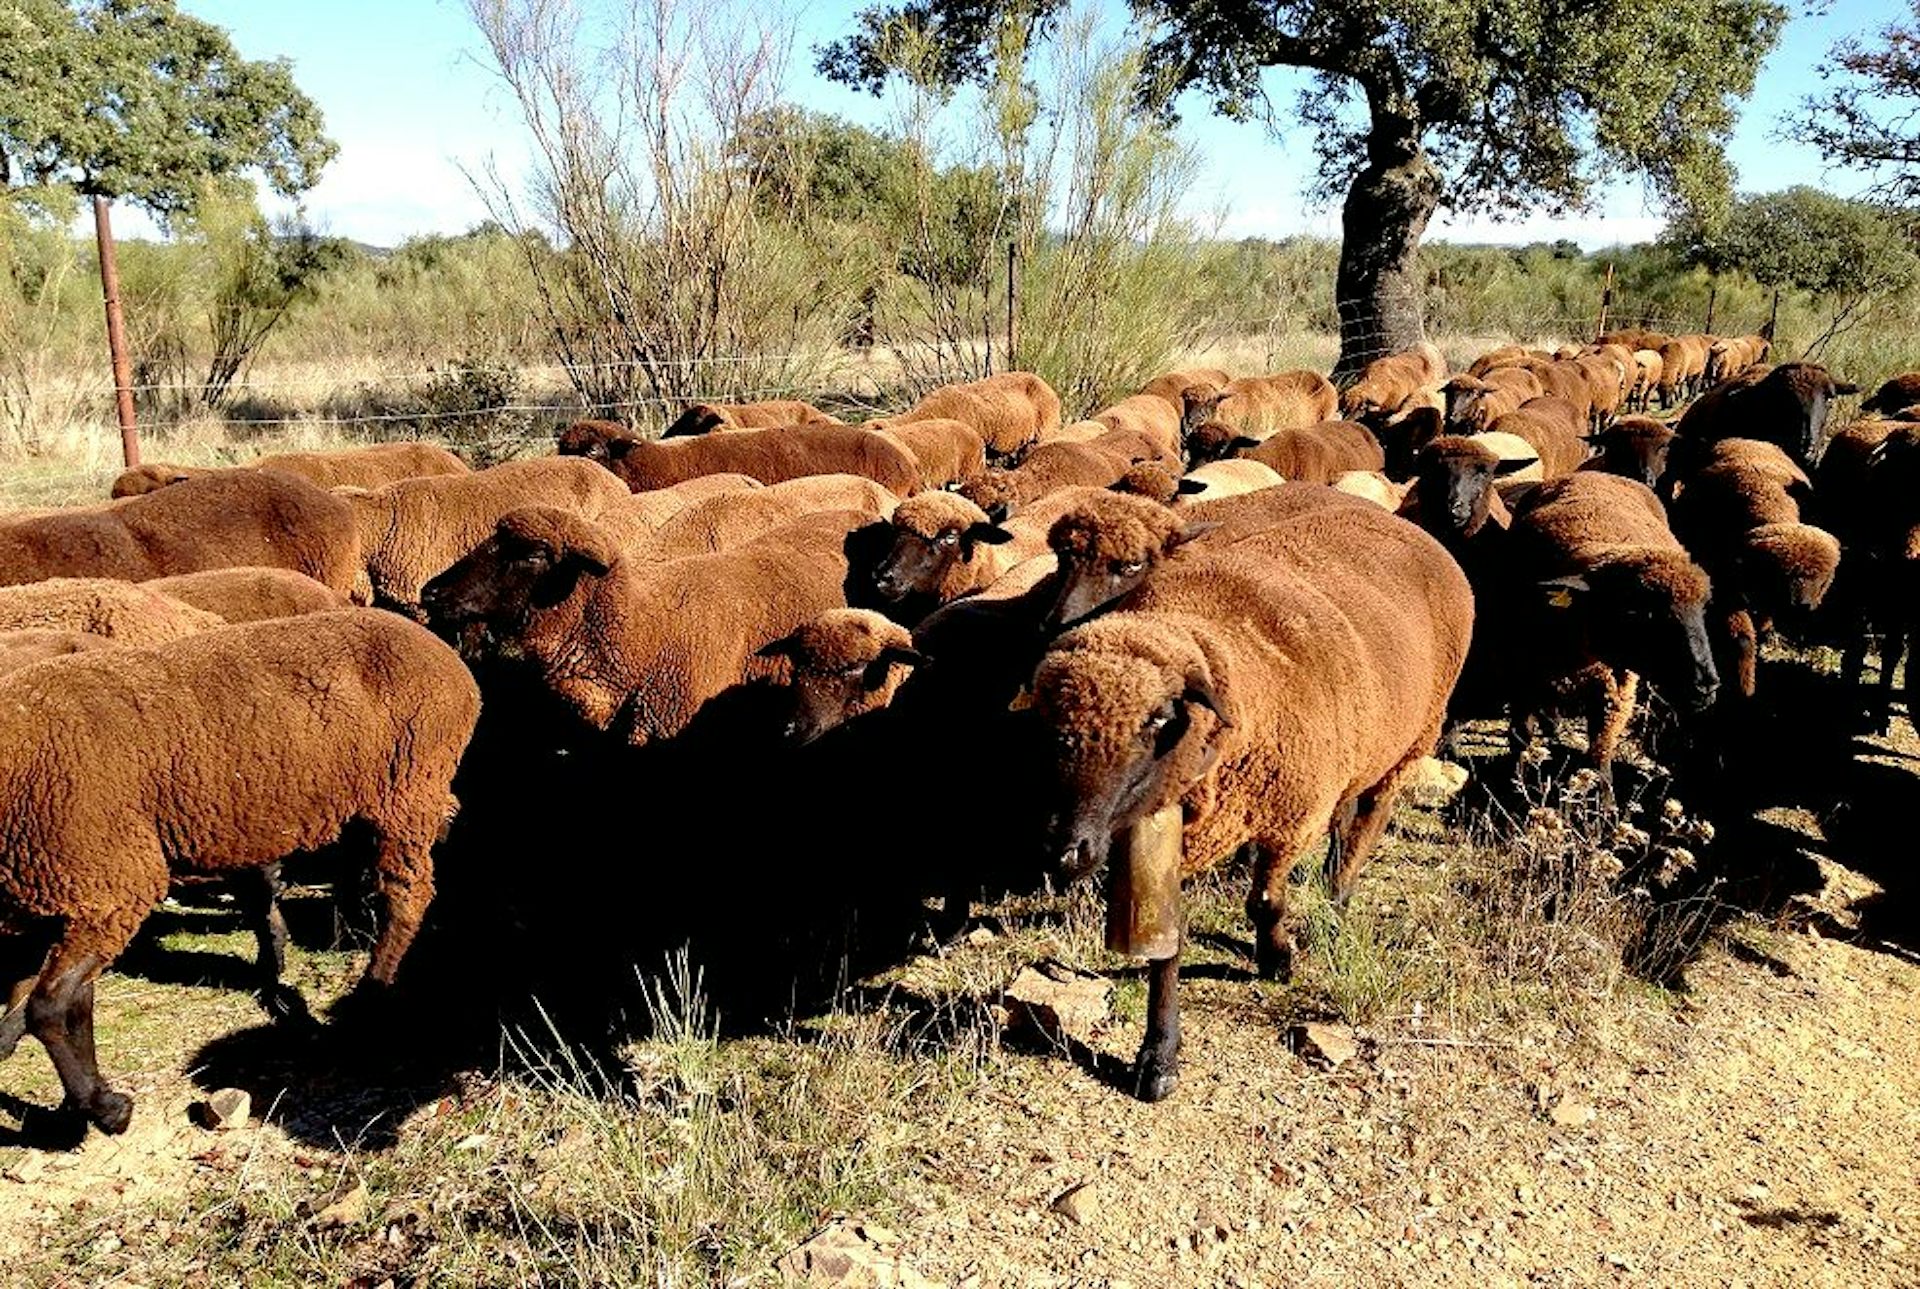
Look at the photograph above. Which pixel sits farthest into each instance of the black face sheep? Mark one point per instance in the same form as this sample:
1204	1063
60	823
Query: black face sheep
770	456
629	647
1633	447
174	759
1093	463
1867	481
592	440
1786	406
413	530
1895	394
705	418
230	519
1601	592
1170	387
843	664
1474	401
1453	496
1277	689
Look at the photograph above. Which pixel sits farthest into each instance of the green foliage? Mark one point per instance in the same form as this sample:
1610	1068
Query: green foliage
1808	239
1867	122
133	99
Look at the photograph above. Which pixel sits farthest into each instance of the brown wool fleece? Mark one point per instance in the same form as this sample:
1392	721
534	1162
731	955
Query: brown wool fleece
128	612
1148	416
1319	453
945	451
1151	480
1553	427
228	519
722	522
1168	388
641	648
1258	404
250	594
1332	644
24	648
1388	384
369	467
1008	411
412	531
771	456
1115	528
175	758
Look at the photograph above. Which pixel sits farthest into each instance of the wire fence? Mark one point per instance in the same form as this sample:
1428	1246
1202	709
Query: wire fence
493	412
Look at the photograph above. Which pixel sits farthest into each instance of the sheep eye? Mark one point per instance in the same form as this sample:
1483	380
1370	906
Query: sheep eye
948	539
1159	721
1130	568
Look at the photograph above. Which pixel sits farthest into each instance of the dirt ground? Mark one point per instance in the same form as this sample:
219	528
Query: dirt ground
1758	1124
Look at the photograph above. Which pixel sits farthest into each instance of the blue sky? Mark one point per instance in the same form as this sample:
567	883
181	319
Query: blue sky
408	99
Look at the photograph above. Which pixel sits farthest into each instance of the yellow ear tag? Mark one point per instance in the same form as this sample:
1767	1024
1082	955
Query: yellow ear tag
1021	701
1560	599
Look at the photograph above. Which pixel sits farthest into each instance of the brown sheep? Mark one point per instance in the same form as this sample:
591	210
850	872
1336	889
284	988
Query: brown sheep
125	765
1053	466
771	456
1556	429
1148	416
1647	369
1453	496
1074	432
1894	395
946	452
1388	385
1633	447
1474	402
251	594
1786	406
594	439
1868	480
368	467
1683	366
1278	689
126	612
1169	387
1010	411
733	519
1320	453
415	529
1259	405
1218	479
1740	517
1372	486
704	418
1635	338
1602	593
634	649
842	664
943	547
1156	482
231	519
633	520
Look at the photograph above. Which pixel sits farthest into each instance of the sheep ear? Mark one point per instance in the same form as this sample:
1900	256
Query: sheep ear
991	534
876	675
591	556
617	449
1200	693
1845	387
1513	465
999	512
1191	531
1561	591
1241	443
1189	487
782	648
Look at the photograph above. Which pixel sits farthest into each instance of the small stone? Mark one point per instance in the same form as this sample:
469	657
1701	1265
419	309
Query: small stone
981	935
28	1167
1056	1002
225	1110
1329	1046
1435	1195
1078	1203
1571	1112
348	1209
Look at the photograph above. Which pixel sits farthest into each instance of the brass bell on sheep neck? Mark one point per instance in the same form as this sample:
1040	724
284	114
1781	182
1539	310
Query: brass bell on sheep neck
1143	887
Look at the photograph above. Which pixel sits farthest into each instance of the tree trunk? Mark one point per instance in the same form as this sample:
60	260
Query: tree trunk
1380	291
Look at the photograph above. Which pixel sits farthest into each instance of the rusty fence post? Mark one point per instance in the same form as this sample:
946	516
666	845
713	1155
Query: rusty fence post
116	334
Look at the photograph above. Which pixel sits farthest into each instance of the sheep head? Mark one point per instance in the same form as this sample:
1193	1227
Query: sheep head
935	537
143	479
1136	718
1108	544
1634	447
1644	610
1216	441
1199	404
701	418
1785	568
592	439
1155	482
1455	477
536	559
843	664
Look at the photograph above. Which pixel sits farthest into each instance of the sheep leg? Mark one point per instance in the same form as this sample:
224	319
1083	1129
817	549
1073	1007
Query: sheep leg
260	896
1157	1068
21	962
60	1014
1364	828
1893	643
1267	909
404	873
1609	709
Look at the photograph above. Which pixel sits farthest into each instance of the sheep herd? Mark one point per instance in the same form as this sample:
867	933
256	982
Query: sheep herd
1255	606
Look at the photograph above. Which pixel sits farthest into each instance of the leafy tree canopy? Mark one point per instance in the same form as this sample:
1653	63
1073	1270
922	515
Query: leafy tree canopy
134	100
1807	239
1520	103
1869	122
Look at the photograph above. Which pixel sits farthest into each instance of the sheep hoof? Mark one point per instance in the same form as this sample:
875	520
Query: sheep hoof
285	1004
111	1111
1154	1077
1273	961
